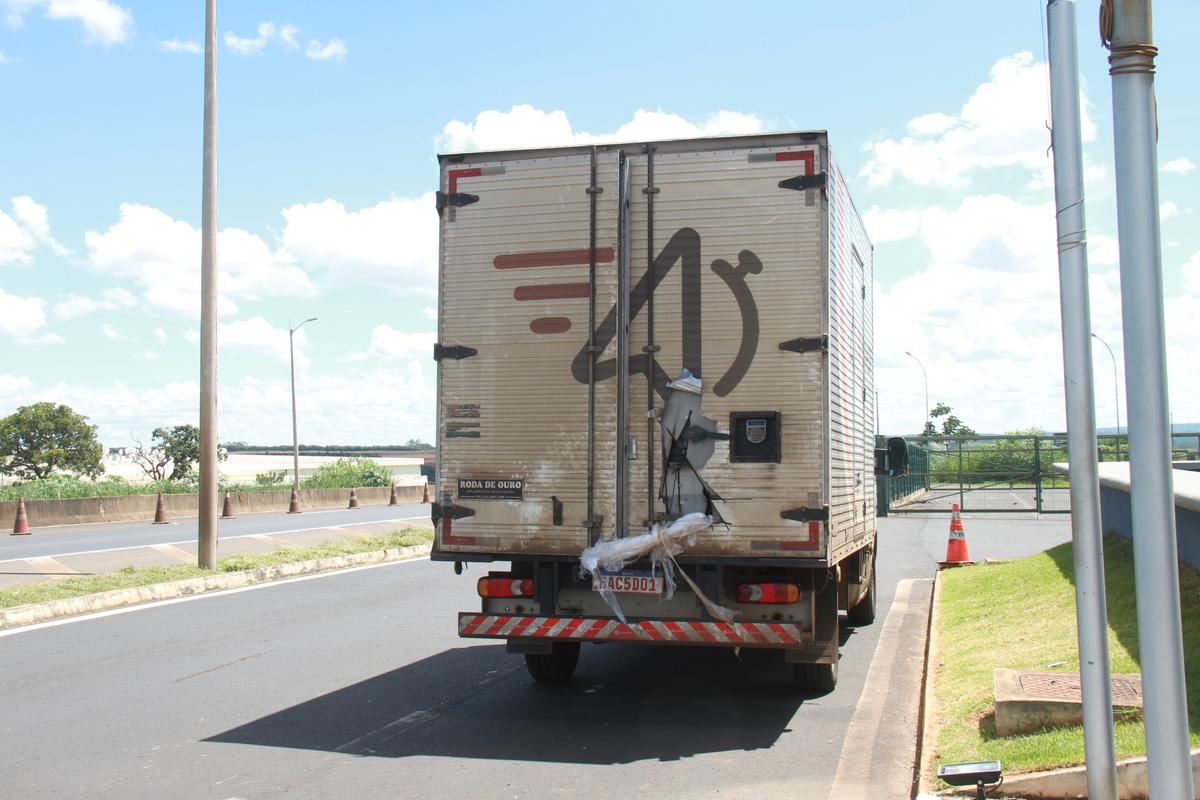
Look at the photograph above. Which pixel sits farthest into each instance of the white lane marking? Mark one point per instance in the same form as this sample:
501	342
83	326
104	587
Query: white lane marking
861	734
112	612
50	566
220	538
174	552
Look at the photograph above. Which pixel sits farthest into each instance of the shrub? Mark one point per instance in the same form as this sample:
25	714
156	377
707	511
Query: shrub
348	472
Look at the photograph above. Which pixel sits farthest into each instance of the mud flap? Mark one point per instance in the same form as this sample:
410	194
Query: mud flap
824	648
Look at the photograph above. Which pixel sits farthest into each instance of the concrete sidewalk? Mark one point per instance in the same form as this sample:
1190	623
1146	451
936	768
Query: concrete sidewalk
34	570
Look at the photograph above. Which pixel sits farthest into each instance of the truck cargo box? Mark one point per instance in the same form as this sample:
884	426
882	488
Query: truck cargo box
576	283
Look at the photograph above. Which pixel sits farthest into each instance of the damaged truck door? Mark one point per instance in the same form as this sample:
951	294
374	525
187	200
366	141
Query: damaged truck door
662	447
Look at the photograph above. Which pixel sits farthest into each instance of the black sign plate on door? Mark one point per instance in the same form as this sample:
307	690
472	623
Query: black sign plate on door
491	488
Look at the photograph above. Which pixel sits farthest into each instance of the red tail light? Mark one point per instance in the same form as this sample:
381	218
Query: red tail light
778	593
505	587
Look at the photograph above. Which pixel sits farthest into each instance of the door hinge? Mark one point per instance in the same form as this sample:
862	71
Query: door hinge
437	511
456	200
801	182
806	345
455	351
806	514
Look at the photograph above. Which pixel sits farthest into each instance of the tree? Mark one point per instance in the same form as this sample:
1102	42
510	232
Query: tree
38	439
178	447
951	425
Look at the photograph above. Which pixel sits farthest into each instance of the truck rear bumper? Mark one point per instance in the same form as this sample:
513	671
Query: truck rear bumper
575	629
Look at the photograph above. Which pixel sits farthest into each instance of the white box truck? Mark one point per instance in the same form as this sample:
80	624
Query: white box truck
629	334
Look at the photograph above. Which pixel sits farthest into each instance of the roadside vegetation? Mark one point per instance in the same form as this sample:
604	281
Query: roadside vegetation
1021	615
61	589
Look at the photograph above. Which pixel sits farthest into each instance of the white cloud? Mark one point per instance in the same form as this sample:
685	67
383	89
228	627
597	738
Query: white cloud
1003	124
75	305
16	243
112	333
1179	166
162	255
1103	250
429	312
393	242
1167	209
103	21
7	59
287	37
334	49
256	335
14	386
192	336
34	217
21	317
181	46
526	126
160	335
391	344
891	225
245	46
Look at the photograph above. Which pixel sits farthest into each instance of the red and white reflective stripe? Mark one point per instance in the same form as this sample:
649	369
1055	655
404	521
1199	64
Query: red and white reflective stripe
677	630
453	176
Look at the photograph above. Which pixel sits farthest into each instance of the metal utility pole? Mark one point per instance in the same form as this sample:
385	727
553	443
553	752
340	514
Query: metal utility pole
1091	614
207	545
1116	391
924	427
295	430
1126	28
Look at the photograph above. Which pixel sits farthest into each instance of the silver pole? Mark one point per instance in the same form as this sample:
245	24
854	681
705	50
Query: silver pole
295	429
924	427
1116	391
1091	616
207	544
1153	503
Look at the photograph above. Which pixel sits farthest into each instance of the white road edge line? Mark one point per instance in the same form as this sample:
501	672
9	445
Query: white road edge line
203	596
220	539
864	724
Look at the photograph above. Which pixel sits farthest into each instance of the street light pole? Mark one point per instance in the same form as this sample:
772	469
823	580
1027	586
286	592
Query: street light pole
295	429
206	545
925	427
1116	391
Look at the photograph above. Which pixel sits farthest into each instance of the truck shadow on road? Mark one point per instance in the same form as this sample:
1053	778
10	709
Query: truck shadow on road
626	703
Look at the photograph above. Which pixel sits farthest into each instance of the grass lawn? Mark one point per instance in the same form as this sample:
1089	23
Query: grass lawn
1021	615
129	576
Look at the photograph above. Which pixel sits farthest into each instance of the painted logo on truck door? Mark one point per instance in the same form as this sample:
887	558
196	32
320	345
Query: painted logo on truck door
683	251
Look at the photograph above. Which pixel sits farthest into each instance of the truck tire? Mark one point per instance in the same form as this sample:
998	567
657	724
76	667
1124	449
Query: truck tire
817	678
557	666
864	612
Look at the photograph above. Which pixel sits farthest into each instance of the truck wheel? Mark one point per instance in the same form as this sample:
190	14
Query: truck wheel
817	678
557	666
864	612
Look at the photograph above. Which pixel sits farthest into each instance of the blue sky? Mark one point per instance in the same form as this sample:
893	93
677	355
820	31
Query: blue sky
330	118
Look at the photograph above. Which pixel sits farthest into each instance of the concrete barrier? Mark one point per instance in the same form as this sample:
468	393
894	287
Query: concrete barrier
1116	514
76	510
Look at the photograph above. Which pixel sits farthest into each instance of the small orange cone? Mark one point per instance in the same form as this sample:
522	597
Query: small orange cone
393	500
21	526
227	509
160	512
956	547
353	500
294	503
425	494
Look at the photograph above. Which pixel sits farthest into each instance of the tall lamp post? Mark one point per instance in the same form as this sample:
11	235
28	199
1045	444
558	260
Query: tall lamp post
1116	391
206	544
925	426
295	429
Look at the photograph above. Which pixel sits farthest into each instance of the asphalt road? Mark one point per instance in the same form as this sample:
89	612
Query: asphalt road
65	539
355	685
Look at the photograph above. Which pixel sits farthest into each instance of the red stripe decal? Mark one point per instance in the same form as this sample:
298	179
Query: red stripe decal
652	631
702	629
546	626
497	625
784	635
729	631
522	625
755	634
798	155
623	632
550	325
454	174
553	291
677	632
473	624
551	258
571	626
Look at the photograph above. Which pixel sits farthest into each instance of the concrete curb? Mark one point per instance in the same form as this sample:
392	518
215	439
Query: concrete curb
929	722
116	598
1069	783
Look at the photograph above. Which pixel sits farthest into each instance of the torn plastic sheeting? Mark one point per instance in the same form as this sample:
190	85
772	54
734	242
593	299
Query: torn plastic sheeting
661	544
686	382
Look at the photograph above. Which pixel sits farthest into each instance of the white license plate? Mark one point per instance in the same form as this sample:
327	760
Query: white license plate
628	582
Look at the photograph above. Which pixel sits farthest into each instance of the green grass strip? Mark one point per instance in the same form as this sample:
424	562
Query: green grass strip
45	591
1021	615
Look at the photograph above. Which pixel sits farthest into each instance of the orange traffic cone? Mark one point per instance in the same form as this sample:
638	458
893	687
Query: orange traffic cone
294	503
956	547
21	526
425	494
227	509
393	500
160	512
353	500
